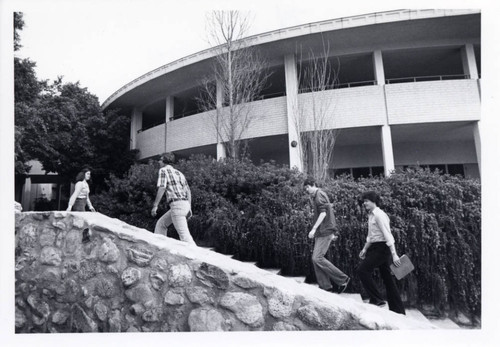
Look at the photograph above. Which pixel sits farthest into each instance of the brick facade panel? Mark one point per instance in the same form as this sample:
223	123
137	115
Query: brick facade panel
345	108
192	131
151	141
435	101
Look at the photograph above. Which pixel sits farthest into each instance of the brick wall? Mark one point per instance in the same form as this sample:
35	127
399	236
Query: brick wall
346	108
436	101
151	141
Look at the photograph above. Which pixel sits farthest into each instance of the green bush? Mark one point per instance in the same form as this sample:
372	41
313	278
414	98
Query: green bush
262	213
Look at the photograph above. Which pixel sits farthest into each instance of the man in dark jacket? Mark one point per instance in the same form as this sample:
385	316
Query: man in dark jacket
323	233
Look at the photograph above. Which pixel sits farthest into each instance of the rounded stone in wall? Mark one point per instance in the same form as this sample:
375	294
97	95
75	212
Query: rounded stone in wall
47	237
106	287
157	280
101	311
140	256
73	241
27	236
139	293
130	276
211	276
198	295
309	315
174	297
108	251
246	307
206	319
60	317
40	307
280	303
179	275
50	256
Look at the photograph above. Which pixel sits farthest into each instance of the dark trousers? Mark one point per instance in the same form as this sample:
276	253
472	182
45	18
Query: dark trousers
379	255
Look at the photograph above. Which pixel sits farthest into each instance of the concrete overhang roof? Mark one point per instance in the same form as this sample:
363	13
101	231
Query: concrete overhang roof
347	35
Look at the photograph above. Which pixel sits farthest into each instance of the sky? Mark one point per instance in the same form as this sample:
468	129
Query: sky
104	44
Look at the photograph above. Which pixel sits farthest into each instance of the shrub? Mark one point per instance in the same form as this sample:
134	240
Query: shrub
262	213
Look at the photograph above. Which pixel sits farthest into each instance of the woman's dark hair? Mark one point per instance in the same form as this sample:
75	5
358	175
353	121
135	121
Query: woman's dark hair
372	196
81	175
309	181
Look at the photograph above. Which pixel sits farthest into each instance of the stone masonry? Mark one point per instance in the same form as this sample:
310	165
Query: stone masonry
85	272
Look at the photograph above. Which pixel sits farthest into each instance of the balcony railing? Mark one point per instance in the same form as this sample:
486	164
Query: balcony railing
426	78
337	86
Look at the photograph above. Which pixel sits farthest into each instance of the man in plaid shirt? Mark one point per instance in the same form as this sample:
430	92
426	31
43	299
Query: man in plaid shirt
174	183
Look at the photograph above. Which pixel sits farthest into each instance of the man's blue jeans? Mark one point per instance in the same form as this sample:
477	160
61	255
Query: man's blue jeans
326	271
177	214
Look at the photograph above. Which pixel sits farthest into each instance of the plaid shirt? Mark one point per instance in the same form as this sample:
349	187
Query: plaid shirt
174	182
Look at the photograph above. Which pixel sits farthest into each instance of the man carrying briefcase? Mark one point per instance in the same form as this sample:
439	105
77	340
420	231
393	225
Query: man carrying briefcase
379	251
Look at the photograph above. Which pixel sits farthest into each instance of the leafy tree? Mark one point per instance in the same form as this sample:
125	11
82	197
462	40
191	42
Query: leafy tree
62	125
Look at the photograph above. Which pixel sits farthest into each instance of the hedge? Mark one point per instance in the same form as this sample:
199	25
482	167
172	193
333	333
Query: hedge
262	213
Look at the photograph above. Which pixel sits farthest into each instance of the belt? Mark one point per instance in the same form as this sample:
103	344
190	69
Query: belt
177	199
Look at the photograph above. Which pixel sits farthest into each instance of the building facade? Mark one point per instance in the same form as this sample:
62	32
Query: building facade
408	93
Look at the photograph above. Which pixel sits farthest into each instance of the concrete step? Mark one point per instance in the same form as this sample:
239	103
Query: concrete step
254	263
273	270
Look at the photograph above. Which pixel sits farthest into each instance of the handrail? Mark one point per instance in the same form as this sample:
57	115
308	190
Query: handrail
338	86
426	78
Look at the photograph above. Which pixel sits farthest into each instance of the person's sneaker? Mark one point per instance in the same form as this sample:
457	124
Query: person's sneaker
343	287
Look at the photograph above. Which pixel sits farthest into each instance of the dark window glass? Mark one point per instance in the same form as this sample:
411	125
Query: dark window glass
377	171
358	172
456	169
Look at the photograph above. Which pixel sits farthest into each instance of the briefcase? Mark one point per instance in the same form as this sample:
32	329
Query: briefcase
404	269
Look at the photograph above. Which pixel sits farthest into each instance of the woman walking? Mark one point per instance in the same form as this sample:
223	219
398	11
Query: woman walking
80	196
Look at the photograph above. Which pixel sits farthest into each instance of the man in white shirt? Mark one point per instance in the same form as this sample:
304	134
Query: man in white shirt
379	251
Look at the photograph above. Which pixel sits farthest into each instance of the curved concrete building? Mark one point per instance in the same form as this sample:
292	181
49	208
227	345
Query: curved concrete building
408	93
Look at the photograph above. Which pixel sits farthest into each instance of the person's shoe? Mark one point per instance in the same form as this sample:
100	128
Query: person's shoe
329	290
343	287
378	303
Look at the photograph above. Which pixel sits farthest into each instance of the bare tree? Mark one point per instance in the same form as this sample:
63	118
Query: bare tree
238	76
315	119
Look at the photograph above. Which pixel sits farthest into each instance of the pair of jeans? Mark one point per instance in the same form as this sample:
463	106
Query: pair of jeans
379	255
324	270
177	214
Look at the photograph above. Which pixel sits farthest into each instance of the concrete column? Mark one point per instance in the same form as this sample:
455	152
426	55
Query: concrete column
169	115
292	111
477	143
221	149
469	61
387	153
378	65
26	198
135	126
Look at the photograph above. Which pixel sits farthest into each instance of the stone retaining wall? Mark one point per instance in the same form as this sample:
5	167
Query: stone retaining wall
85	272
